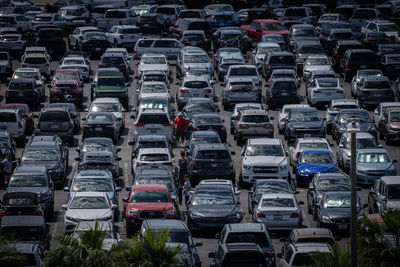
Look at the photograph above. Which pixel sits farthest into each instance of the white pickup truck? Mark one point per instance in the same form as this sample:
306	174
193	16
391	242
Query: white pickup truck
114	17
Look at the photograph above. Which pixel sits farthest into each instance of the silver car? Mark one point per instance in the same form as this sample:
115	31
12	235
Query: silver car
155	89
283	115
244	71
193	57
153	61
109	104
167	46
261	52
224	64
152	158
154	122
239	90
78	63
194	87
355	82
323	90
313	63
87	206
278	212
335	106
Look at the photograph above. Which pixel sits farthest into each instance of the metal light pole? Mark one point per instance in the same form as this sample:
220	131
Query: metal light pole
353	127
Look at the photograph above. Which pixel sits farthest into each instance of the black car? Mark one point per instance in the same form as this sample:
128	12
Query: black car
73	113
57	142
201	137
152	23
390	65
278	60
53	40
196	38
36	180
47	154
23	91
27	228
238	254
282	91
101	124
356	59
304	122
344	116
97	144
323	183
334	36
94	43
20	203
371	40
203	122
210	161
334	211
211	207
100	160
340	49
387	49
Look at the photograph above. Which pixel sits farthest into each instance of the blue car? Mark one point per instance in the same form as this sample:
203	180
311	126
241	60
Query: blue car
312	162
225	19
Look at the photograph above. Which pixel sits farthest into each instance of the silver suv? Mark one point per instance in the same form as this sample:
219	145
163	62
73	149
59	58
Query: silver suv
193	87
167	46
153	122
12	121
55	121
193	57
239	90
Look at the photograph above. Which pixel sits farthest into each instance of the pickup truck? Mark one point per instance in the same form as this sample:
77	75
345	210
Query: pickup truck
114	17
259	27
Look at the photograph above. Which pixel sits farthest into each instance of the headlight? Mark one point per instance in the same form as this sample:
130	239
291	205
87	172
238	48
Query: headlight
303	172
105	218
195	214
133	211
325	219
319	197
246	167
44	197
360	171
283	167
71	218
170	212
392	172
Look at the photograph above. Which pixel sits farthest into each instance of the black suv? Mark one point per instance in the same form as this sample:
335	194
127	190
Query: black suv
282	91
357	59
341	47
6	69
238	254
210	161
23	91
53	40
278	60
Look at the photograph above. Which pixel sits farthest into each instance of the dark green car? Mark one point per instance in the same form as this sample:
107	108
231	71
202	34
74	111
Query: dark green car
111	86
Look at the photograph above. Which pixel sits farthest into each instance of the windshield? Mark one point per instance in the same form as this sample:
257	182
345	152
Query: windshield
88	202
230	54
66	76
41	155
374	158
362	143
265	150
282	60
222	197
154	157
316	158
97	147
139	12
26	75
105	107
154	88
153	60
28	181
273	188
92	185
68	12
318	61
248	237
316	146
377	85
95	36
393	192
304	32
339	202
118	82
272	38
267	49
157	196
213	154
328	185
272	27
305	116
362	117
155	180
243	71
201	108
394	116
277	202
196	59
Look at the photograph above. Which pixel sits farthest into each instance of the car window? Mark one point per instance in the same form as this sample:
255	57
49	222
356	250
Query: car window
153	119
8	117
259	238
289	253
145	43
87	202
277	202
154	157
28	181
213	154
143	196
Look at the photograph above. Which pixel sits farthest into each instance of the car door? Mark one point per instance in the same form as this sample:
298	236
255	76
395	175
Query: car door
372	196
381	197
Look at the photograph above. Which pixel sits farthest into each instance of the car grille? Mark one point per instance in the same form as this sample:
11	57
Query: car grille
341	220
151	214
376	173
270	169
215	220
308	130
109	94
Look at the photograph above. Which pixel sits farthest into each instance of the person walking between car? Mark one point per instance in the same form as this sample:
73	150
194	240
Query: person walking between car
180	128
7	164
186	190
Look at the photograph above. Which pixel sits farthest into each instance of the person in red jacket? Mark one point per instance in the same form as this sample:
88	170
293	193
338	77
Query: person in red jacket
180	127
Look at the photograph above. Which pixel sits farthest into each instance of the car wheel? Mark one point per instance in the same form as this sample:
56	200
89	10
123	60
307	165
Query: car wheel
231	129
388	142
309	209
346	77
242	184
238	141
315	215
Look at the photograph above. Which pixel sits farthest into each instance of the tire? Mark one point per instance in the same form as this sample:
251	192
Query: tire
71	141
309	209
346	77
388	142
239	141
115	43
242	184
231	130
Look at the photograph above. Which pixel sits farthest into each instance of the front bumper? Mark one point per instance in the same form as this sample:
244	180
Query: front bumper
280	225
249	176
344	225
210	223
367	179
62	135
200	174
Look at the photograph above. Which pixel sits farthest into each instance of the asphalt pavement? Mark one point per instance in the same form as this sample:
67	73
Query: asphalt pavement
208	240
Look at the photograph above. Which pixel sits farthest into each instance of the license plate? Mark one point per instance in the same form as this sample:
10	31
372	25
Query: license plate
98	129
54	127
307	135
98	49
153	130
342	226
284	94
363	66
278	217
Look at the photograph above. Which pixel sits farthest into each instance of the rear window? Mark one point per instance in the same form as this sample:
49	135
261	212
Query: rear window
7	117
145	43
54	116
213	154
153	119
35	60
21	86
199	25
50	34
277	202
152	144
245	71
255	119
112	60
154	157
130	31
286	86
259	238
196	84
115	14
223	17
166	10
282	60
362	57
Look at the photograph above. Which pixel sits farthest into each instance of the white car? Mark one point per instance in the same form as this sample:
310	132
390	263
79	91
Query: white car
324	90
156	89
299	254
124	36
109	104
283	115
37	60
77	35
308	143
153	122
78	63
263	158
152	157
237	109
120	50
153	61
313	63
87	206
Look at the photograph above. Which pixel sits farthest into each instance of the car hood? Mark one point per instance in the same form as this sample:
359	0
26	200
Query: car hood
305	38
163	95
110	195
37	190
152	206
306	55
146	67
48	164
110	88
339	212
317	167
307	124
3	62
317	67
393	204
197	65
374	166
216	211
264	160
88	214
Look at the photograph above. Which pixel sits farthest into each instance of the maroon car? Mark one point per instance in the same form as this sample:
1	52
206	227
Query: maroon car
67	91
25	112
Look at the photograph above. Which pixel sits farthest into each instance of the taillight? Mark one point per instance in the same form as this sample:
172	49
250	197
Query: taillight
140	124
38	125
110	127
166	124
19	124
295	215
260	83
184	91
70	125
260	215
223	129
283	120
38	213
3	213
101	65
141	164
121	36
348	65
123	65
208	91
196	128
7	93
298	155
269	67
167	163
85	127
23	65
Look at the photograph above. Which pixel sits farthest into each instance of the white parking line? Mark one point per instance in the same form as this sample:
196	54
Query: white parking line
53	233
73	165
126	173
129	136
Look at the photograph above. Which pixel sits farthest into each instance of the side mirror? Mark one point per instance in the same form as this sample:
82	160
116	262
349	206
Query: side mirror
125	199
131	143
254	202
127	84
35	116
234	153
78	150
380	146
133	117
83	119
199	244
279	255
114	206
337	238
118	189
211	255
359	188
272	118
64	206
119	159
238	202
250	192
123	110
296	192
66	189
49	86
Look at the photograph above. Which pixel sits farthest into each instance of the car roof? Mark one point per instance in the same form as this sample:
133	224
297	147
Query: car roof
246	227
247	112
92	173
333	175
106	100
375	78
22	220
265	141
143	187
171	224
28	170
211	147
312	139
311	246
391	180
148	150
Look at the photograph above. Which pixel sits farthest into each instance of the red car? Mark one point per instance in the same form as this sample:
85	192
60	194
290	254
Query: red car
68	91
259	27
26	113
147	201
67	75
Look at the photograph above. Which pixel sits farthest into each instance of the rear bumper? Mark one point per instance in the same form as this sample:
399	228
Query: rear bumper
63	135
